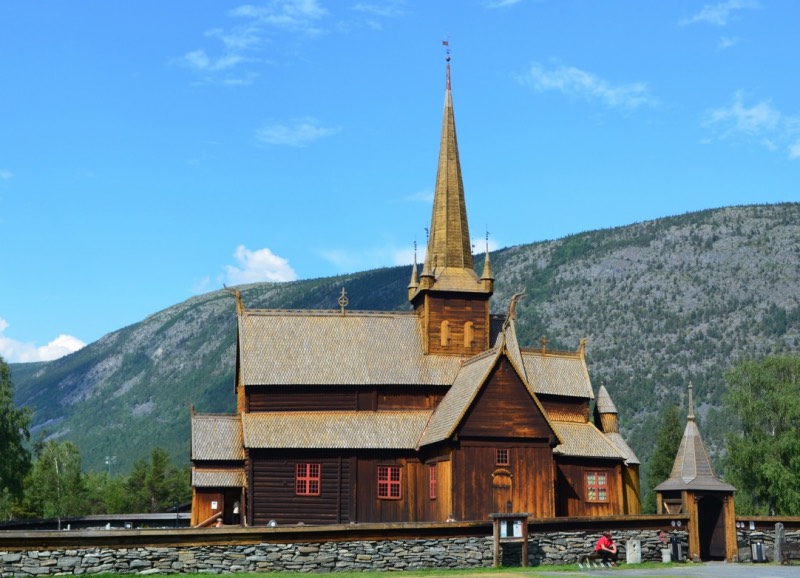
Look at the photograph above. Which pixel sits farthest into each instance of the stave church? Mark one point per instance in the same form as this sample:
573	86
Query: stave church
434	414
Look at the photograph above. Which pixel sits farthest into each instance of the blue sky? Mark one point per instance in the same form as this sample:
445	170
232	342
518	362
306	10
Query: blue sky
151	151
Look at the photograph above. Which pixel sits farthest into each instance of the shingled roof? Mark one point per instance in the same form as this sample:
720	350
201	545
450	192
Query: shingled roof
584	440
217	437
692	467
217	478
334	429
557	373
331	348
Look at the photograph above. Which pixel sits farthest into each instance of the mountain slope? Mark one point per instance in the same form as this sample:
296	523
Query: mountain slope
663	303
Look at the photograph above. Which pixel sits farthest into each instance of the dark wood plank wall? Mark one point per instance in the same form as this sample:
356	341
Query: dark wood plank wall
409	398
218	464
440	508
571	490
504	409
300	398
632	494
457	310
409	508
273	495
332	398
477	478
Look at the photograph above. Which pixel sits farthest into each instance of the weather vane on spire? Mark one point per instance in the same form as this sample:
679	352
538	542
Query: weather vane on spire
446	44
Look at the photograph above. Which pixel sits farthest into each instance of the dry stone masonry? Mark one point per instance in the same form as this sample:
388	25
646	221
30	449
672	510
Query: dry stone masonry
451	553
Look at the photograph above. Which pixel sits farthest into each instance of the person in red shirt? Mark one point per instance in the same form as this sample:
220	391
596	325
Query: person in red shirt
607	549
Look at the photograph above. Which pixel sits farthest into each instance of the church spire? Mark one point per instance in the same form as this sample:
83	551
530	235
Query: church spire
449	265
449	298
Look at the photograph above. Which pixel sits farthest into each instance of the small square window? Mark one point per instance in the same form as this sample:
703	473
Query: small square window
389	483
502	458
307	479
596	486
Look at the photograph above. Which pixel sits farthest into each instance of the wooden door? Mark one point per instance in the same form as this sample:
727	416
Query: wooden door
502	486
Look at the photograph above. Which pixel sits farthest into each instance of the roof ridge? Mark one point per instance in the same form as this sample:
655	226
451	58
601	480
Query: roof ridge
330	312
551	352
479	356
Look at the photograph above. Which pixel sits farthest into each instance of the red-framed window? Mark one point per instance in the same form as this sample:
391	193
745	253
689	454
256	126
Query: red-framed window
596	483
433	478
502	458
307	480
389	483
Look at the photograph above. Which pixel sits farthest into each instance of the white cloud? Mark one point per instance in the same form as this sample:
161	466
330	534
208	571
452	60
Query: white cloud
385	9
201	62
297	133
579	83
237	39
294	15
6	175
726	42
719	14
18	352
258	265
736	118
761	123
501	3
422	196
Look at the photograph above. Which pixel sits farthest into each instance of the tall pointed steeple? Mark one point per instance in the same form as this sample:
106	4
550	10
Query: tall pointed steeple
448	262
452	302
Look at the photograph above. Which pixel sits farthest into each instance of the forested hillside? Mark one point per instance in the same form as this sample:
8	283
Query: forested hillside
663	303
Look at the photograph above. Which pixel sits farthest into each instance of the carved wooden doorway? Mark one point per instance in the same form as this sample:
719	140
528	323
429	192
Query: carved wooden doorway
502	484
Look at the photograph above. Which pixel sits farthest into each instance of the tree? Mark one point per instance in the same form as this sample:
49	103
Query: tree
15	460
763	459
158	484
659	466
55	486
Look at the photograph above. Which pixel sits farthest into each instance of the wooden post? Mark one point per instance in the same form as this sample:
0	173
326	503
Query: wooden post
497	520
690	500
731	544
496	547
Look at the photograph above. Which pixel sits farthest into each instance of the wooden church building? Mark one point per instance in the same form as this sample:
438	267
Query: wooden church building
433	414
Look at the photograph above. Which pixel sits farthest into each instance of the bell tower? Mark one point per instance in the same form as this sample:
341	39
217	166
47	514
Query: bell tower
452	302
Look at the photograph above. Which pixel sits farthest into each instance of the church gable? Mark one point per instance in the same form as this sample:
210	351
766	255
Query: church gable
504	407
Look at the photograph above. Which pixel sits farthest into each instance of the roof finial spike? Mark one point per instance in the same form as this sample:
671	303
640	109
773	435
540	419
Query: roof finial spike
446	43
691	403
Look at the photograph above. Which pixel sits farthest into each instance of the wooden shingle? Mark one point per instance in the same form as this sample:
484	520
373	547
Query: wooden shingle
334	429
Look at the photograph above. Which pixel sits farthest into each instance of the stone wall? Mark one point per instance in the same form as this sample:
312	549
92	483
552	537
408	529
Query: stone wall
453	553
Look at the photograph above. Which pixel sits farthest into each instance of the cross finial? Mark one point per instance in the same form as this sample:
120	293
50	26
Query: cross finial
343	300
691	402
